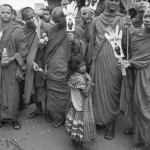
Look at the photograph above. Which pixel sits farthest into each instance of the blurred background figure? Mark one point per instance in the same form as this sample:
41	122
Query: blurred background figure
47	15
64	3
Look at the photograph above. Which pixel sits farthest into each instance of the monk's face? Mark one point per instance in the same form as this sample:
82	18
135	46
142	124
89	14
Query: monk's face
59	21
140	5
29	18
146	19
112	5
86	14
6	14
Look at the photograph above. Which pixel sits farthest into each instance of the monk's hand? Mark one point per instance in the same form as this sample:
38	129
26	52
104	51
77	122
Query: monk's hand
35	66
71	37
123	64
41	45
7	61
128	21
126	63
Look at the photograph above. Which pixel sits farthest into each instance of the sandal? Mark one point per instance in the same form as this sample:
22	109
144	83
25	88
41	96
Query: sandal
34	114
110	134
16	125
100	127
128	131
2	123
57	124
48	117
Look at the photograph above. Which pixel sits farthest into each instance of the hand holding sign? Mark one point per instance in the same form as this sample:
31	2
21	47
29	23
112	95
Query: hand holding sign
115	37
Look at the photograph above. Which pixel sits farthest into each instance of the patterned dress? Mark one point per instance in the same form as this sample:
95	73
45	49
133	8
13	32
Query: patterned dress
80	122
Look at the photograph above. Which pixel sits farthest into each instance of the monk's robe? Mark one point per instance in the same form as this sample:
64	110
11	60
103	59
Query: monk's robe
14	41
57	55
137	22
140	60
104	72
34	82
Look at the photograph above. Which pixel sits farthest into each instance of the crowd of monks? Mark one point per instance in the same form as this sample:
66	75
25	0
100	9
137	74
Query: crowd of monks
34	57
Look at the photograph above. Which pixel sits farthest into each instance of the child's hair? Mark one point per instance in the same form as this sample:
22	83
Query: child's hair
74	63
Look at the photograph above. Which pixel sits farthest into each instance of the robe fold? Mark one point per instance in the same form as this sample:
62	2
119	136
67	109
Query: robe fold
36	55
140	60
104	72
14	41
57	55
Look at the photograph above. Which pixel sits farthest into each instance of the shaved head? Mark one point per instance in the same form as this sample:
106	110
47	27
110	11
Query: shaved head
26	11
58	12
58	17
140	5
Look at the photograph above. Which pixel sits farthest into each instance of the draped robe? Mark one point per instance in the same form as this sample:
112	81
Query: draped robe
14	41
57	55
140	60
34	79
104	72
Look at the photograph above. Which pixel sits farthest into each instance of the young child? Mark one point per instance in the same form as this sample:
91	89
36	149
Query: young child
80	122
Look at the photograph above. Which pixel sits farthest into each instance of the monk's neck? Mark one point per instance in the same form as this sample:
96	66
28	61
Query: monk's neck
5	25
140	14
112	12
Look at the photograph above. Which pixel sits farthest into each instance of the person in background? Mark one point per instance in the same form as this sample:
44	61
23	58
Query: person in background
14	48
139	6
64	3
47	15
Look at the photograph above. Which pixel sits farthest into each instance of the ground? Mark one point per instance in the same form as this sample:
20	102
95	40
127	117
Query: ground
36	134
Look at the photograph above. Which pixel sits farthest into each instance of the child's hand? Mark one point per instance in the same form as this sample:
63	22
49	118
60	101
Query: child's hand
88	77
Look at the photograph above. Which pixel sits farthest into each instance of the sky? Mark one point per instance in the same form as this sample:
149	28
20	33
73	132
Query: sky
17	4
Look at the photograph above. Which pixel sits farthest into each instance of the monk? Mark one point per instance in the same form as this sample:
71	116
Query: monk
60	47
34	83
13	45
87	15
103	67
140	62
64	3
140	7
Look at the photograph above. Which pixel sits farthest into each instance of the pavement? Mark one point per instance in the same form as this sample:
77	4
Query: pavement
37	134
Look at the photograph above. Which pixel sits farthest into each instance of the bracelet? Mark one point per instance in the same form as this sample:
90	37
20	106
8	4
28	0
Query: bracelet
91	83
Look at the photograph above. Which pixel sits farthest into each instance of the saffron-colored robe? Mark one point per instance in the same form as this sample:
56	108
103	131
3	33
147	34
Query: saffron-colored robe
140	61
14	41
104	71
34	79
57	55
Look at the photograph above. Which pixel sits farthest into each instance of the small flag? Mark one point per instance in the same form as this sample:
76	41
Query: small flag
127	3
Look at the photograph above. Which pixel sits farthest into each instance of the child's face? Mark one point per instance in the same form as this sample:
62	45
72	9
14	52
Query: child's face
82	68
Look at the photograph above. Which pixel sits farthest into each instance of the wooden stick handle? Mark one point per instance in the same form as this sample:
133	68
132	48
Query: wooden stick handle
123	70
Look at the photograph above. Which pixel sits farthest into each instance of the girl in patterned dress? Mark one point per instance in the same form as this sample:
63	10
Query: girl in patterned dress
80	122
